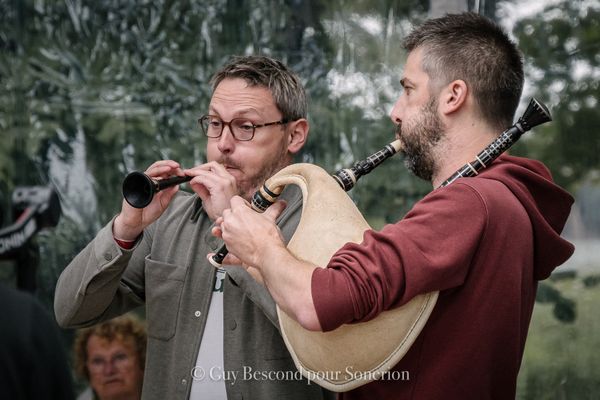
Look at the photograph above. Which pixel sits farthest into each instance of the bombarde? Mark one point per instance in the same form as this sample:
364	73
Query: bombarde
345	177
139	189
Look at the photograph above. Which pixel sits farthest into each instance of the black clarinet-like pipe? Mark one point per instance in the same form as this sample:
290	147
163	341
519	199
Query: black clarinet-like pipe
139	189
535	114
346	178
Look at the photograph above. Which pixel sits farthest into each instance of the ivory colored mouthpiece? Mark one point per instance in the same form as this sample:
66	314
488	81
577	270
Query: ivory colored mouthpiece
396	145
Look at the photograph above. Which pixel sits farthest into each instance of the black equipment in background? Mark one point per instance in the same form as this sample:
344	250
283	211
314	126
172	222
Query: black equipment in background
33	208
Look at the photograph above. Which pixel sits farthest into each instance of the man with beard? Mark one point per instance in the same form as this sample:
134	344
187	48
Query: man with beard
206	328
483	242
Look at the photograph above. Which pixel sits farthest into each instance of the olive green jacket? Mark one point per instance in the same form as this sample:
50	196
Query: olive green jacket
167	271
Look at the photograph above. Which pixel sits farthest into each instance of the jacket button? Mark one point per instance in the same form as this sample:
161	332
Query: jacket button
183	382
197	313
233	325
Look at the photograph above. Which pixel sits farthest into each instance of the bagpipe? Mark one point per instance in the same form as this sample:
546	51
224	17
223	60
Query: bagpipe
329	220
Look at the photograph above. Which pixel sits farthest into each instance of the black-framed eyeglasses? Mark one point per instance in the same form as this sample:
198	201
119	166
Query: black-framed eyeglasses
241	128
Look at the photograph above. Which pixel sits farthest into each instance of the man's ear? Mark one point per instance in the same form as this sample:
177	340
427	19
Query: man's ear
298	135
453	96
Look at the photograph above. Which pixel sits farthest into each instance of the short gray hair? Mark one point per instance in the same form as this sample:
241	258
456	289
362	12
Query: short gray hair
284	85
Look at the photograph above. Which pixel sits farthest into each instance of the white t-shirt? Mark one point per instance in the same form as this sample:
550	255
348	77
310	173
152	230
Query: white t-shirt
208	381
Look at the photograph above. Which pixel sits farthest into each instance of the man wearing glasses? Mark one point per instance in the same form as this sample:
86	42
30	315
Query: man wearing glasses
211	334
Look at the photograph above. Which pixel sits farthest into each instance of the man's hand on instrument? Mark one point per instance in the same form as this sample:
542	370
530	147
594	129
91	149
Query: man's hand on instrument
258	245
271	215
131	221
214	185
246	232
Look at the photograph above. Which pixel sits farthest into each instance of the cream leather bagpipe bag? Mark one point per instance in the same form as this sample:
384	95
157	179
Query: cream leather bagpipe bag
355	354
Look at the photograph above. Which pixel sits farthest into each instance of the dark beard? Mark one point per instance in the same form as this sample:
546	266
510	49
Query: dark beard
419	140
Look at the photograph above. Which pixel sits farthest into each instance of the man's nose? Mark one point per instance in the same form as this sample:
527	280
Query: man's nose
396	114
226	143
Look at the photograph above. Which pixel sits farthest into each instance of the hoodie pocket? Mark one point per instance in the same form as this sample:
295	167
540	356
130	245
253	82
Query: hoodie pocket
164	285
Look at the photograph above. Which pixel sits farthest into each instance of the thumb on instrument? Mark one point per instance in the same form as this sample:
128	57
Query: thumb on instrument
277	208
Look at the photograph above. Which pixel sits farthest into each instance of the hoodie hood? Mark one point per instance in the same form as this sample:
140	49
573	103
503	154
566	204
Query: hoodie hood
547	205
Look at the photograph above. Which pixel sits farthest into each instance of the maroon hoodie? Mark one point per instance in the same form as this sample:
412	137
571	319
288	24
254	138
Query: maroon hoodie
483	243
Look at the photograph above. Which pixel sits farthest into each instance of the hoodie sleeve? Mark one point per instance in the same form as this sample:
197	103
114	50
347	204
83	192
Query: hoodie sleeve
430	249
